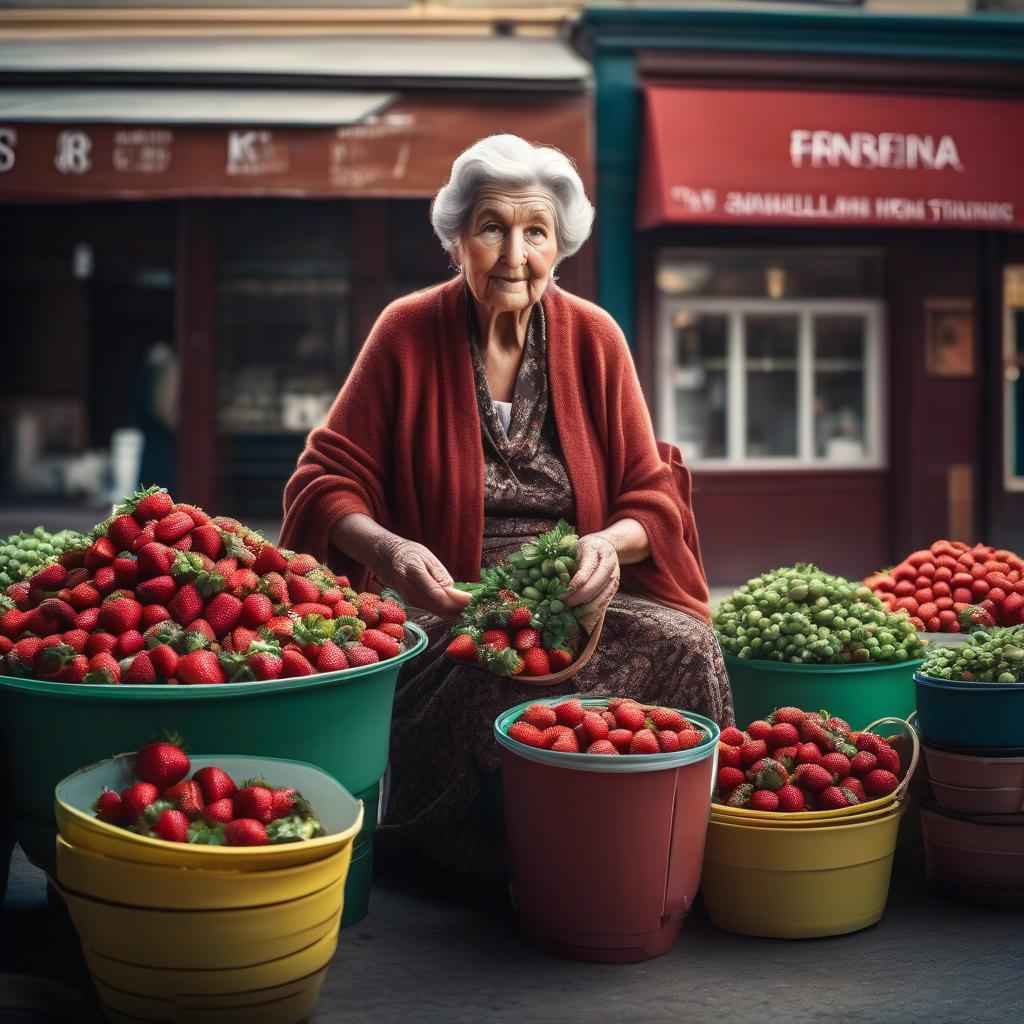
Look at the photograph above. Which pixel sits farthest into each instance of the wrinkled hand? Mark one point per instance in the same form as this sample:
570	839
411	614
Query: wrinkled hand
413	571
597	572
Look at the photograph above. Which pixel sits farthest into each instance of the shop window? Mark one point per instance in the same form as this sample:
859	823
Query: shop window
781	381
1013	352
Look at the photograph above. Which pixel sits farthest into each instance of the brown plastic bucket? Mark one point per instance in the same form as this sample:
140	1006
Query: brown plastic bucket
605	852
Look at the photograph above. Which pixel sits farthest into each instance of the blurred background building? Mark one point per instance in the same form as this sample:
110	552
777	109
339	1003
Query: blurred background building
810	226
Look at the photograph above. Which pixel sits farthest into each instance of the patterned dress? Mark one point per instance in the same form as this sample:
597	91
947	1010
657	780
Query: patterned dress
442	747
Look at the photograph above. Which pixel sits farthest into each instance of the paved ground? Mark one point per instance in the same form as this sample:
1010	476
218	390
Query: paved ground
430	955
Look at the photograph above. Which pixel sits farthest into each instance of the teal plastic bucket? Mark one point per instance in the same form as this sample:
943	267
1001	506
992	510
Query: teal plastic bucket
859	694
970	716
357	887
605	851
340	722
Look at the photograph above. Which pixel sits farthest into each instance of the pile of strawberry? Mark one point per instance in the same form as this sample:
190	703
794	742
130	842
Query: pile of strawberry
803	761
951	587
209	809
163	593
621	726
515	635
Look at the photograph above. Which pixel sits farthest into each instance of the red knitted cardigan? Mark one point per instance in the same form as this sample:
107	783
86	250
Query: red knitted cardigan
402	444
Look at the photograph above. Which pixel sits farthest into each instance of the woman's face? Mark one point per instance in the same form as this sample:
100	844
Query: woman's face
509	248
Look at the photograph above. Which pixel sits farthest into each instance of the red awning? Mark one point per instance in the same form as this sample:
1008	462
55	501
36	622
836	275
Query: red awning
728	156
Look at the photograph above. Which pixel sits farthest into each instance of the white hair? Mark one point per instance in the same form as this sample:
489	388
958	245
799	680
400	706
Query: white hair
507	161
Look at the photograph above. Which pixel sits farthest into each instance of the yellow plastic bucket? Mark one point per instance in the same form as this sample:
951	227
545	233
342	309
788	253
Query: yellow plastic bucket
340	813
182	888
167	983
799	883
812	820
204	939
283	1004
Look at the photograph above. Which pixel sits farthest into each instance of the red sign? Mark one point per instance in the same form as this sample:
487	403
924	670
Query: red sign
405	151
717	156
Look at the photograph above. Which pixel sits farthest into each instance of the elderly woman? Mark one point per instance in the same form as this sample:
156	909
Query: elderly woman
478	413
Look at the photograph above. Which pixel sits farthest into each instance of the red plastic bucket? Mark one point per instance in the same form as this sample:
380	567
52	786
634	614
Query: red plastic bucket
605	852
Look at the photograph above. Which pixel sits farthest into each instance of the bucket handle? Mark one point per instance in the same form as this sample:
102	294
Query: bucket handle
915	754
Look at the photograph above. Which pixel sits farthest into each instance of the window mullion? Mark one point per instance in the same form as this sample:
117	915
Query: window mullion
805	388
737	416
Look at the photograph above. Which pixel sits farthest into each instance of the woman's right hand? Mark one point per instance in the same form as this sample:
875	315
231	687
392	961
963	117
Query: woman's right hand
420	578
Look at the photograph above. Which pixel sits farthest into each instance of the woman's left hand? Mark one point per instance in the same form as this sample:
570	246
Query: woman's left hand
597	572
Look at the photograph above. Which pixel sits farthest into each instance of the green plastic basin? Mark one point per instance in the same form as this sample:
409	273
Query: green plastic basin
860	694
339	722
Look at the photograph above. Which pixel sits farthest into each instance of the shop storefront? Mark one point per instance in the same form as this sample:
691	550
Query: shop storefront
825	306
227	229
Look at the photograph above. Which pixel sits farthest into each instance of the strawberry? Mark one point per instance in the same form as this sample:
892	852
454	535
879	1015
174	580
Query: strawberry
215	783
269	559
629	715
256	610
198	633
164	660
172	527
839	726
763	800
294	663
524	732
243	582
594	727
154	613
837	764
812	777
51	577
535	662
790	798
560	658
730	778
162	762
496	638
526	640
393	630
186	605
391	611
136	798
753	750
541	716
729	757
122	532
302	564
76	639
621	739
739	796
198	667
87	619
789	715
879	782
126	569
733	736
12	623
462	648
156	590
101	552
83	596
153	506
245	832
206	541
196	514
812	730
832	798
103	669
129	643
863	763
569	712
888	759
602	747
75	670
689	738
284	801
219	812
164	633
241	639
255	802
668	741
808	753
384	645
312	608
110	808
767	774
52	615
855	786
267	665
566	744
154	560
100	643
519	618
787	756
358	655
869	741
759	730
783	734
141	670
303	591
666	718
187	796
331	658
222	613
644	742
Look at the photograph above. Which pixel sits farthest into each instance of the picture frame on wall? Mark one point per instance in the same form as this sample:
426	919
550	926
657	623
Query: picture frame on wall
949	337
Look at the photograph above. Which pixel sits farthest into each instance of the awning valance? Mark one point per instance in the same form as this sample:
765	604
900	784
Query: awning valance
717	156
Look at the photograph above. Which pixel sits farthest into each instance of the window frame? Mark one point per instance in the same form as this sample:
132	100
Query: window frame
734	309
1013	360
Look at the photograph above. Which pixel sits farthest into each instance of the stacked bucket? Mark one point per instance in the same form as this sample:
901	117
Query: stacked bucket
194	934
973	736
806	874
